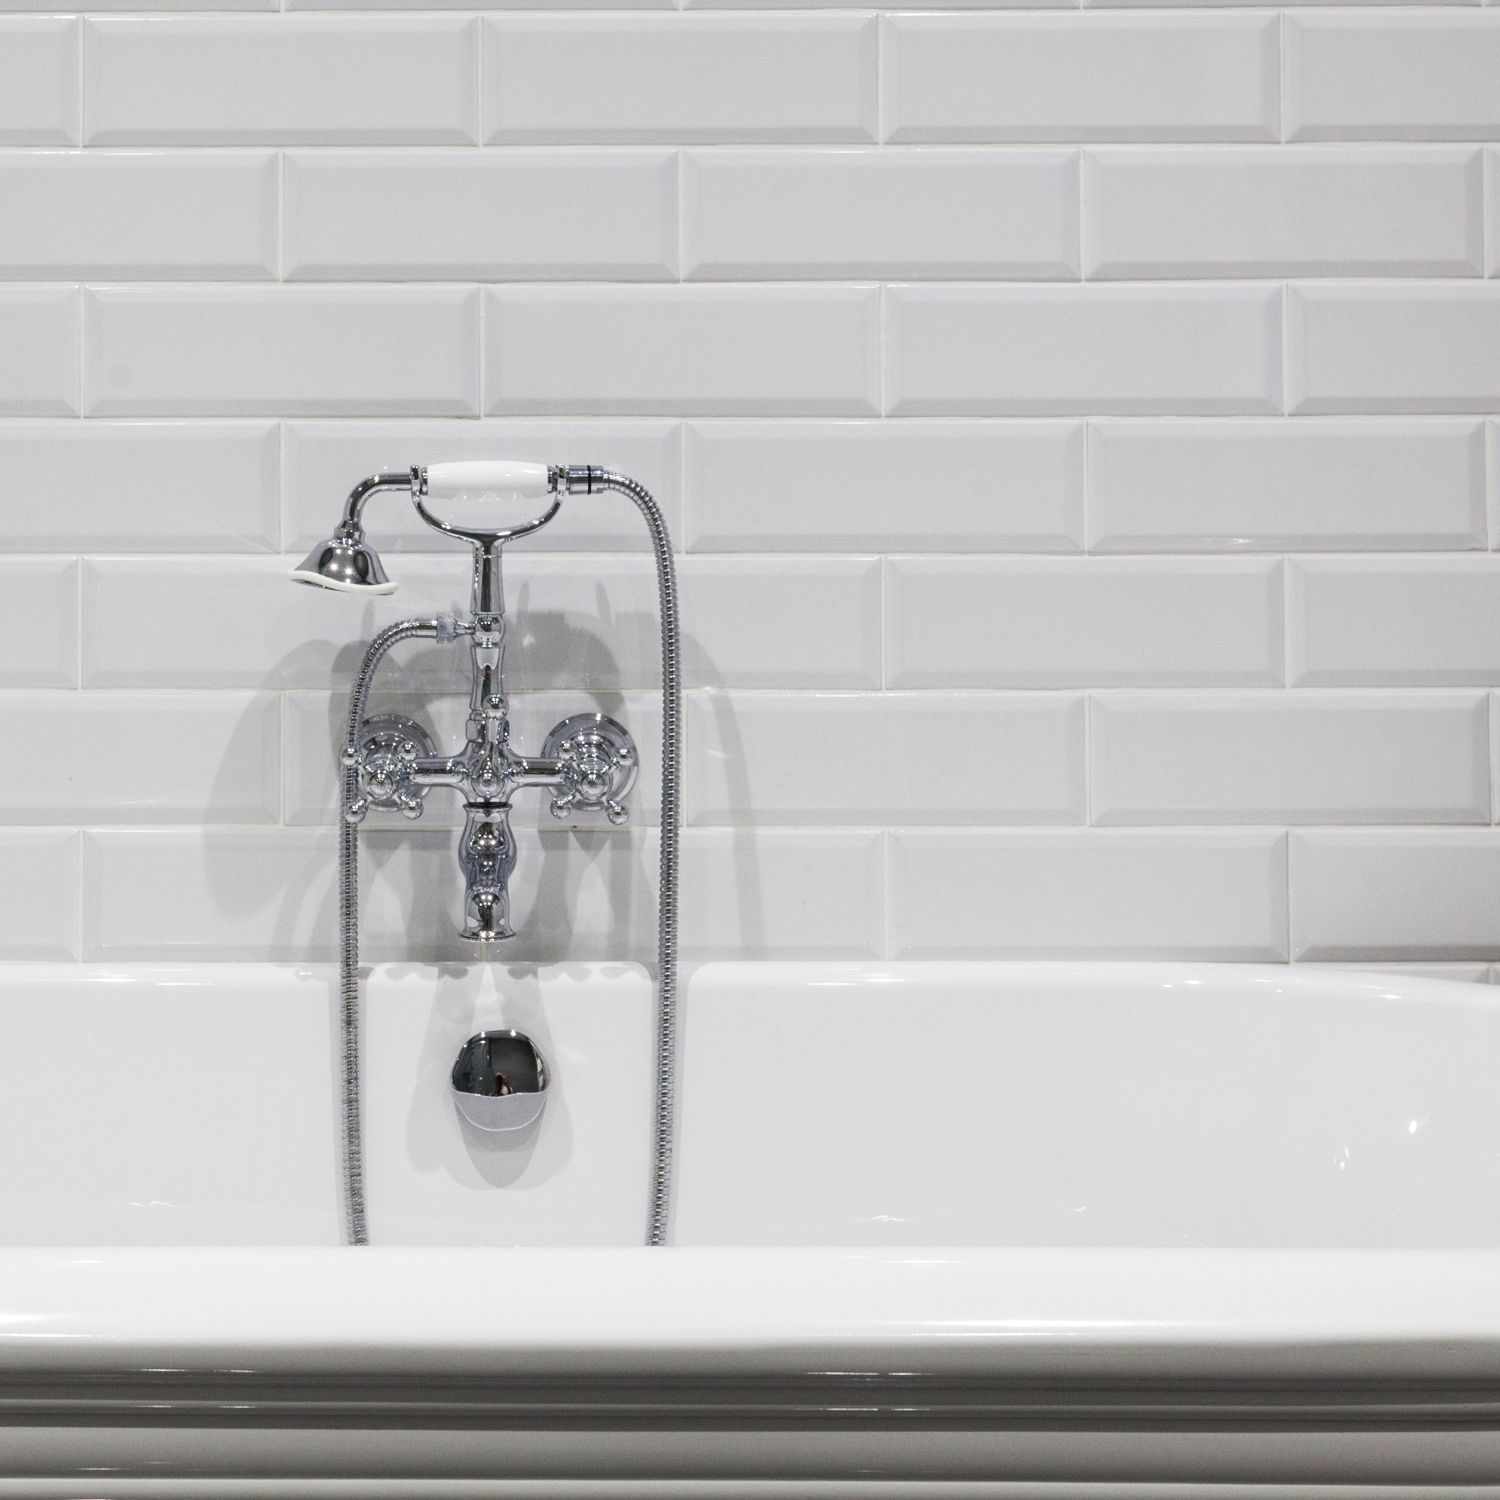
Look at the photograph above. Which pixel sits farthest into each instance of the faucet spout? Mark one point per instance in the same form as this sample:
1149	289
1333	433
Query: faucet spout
487	856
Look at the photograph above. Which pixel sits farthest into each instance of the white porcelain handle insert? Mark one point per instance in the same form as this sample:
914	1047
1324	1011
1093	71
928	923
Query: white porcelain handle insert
487	479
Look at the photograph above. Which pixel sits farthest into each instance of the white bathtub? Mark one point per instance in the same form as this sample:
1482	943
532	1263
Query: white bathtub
961	1230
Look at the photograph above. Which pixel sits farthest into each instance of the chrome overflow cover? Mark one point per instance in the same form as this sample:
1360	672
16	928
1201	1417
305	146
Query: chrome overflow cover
499	1080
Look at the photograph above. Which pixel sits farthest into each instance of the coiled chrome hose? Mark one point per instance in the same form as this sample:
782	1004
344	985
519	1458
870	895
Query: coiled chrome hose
664	1127
353	1151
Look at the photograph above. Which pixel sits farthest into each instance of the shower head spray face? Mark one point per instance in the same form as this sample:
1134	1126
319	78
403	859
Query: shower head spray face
346	561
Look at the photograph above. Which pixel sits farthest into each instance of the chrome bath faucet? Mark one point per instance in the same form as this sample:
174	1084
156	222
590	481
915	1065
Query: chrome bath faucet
588	761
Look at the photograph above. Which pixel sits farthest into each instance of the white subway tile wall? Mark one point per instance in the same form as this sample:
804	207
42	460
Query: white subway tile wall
39	82
1079	425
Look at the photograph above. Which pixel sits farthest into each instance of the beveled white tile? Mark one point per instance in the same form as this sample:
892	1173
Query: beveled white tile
1277	211
1088	894
109	757
116	486
1210	758
833	758
1392	622
252	351
746	622
683	350
276	80
997	350
247	893
481	216
851	213
326	459
782	893
686	78
1013	486
39	351
1055	622
152	215
1397	894
1392	348
1375	75
268	632
38	622
39	81
584	622
221	893
768	622
1314	484
315	733
1087	76
39	893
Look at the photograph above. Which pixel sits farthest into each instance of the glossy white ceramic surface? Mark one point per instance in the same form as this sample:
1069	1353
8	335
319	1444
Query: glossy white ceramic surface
979	1104
1086	1104
925	1214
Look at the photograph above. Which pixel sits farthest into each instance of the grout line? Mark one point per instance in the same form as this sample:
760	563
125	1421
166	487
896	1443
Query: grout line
479	120
1083	270
1086	545
83	354
1487	175
1286	350
83	27
1088	760
1286	624
483	315
283	519
681	221
1489	466
80	890
281	216
1291	946
1281	77
680	544
885	664
78	624
1491	720
888	910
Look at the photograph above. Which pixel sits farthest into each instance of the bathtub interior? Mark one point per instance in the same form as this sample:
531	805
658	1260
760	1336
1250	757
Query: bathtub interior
1020	1105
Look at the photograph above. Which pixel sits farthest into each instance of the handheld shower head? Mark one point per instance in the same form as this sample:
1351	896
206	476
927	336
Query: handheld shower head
346	561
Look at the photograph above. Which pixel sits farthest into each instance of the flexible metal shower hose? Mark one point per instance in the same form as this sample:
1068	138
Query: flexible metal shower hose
353	1150
664	1123
664	1127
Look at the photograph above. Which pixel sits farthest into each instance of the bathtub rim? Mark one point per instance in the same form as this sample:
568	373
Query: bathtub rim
1110	1313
